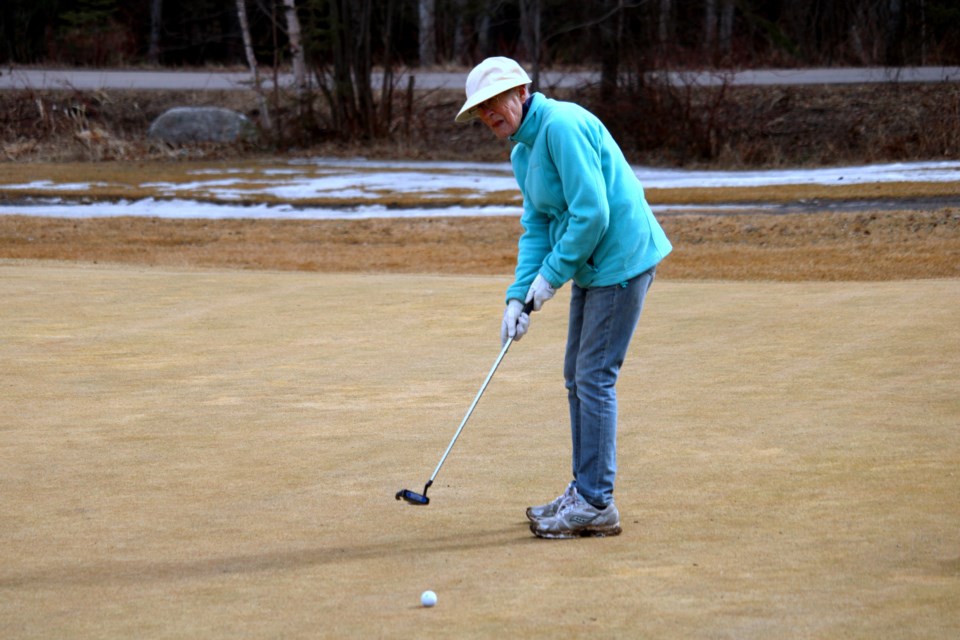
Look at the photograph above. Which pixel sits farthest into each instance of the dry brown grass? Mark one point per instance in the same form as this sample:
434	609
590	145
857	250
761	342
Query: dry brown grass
195	453
882	245
878	245
93	126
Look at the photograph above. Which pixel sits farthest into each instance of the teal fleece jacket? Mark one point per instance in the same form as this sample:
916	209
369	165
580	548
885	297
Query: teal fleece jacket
585	217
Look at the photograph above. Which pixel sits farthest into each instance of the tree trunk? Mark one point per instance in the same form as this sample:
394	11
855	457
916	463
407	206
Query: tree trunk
296	49
387	82
156	19
894	34
363	68
349	92
664	24
530	36
726	26
428	32
252	62
610	31
483	35
459	41
709	27
923	32
342	101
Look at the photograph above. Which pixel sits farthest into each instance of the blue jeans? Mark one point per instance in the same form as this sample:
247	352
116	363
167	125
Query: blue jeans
602	322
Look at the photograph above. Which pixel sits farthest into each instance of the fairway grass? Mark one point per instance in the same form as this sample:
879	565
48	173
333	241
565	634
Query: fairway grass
190	453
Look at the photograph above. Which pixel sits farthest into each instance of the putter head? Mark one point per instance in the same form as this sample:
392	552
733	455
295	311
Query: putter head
413	497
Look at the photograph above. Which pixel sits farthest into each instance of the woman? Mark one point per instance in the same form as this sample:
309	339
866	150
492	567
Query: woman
585	220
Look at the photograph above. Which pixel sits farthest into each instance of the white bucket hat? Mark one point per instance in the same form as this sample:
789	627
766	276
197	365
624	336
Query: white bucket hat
491	77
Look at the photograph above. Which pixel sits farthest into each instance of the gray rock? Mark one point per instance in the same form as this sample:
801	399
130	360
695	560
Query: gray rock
182	125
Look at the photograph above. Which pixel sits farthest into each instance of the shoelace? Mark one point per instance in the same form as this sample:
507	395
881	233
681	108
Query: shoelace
569	500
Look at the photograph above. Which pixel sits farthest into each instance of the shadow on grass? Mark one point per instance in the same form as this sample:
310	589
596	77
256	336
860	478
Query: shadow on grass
139	571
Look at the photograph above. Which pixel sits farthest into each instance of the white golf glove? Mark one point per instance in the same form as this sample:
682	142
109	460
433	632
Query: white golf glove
515	322
540	291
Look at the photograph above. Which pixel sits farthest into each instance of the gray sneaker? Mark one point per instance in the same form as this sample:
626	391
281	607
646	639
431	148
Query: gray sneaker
550	509
577	518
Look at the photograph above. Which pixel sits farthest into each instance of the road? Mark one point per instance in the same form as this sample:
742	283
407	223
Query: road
93	79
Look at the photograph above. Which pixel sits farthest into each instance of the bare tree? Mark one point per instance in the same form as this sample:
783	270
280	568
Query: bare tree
923	32
427	11
727	8
894	33
664	23
296	48
156	19
530	36
483	29
252	62
611	31
459	41
709	26
609	20
345	70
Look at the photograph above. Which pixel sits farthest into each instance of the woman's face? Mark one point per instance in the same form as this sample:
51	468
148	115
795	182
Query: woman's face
503	112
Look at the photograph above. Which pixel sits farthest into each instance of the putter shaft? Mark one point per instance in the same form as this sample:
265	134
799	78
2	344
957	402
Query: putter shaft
421	498
473	405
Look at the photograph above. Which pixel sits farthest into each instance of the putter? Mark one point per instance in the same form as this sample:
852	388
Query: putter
421	499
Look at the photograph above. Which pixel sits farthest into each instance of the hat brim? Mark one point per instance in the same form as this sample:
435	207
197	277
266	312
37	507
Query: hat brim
469	109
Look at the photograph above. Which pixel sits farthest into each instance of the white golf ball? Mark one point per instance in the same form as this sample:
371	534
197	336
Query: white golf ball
428	598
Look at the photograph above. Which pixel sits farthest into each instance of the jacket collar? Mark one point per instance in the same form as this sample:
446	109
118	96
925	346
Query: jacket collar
526	133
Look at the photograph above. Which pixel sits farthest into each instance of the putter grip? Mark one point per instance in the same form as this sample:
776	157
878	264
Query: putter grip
528	308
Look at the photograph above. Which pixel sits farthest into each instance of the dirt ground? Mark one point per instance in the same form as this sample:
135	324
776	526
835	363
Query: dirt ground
214	453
